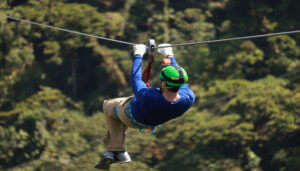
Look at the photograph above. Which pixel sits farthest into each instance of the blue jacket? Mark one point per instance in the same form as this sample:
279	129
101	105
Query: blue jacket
149	105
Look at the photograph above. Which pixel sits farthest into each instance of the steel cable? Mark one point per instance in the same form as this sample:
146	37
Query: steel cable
172	45
67	30
231	39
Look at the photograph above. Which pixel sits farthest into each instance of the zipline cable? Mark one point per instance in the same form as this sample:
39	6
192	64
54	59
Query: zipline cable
66	30
172	45
231	39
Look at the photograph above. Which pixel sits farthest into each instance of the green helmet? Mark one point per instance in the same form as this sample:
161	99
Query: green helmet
174	76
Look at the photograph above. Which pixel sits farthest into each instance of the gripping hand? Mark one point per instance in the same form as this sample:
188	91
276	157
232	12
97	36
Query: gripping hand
166	51
139	49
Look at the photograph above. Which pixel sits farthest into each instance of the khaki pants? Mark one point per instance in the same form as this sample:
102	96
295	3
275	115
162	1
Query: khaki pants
116	126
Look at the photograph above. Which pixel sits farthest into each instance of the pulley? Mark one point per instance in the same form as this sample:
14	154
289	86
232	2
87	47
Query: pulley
151	45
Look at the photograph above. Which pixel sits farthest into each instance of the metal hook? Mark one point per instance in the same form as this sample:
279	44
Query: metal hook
151	45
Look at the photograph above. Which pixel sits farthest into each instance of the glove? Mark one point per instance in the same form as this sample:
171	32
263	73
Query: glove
168	51
139	49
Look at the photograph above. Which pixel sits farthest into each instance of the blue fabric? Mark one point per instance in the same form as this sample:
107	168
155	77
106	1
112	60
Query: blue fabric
134	122
149	106
116	112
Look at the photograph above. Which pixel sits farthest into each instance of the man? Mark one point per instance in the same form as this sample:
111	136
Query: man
148	107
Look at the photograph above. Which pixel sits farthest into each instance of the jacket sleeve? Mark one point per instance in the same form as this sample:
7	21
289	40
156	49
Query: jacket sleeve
136	75
173	61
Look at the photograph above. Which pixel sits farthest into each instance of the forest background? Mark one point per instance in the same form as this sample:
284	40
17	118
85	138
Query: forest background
52	84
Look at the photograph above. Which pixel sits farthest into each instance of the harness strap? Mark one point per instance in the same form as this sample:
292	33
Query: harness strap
116	112
147	71
134	122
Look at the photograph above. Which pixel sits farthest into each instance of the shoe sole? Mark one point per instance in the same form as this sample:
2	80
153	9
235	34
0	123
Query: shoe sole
104	164
123	162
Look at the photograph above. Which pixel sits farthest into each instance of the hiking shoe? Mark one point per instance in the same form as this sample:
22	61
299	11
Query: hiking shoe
106	160
122	157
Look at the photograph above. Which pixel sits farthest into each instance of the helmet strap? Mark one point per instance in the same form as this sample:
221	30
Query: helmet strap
180	72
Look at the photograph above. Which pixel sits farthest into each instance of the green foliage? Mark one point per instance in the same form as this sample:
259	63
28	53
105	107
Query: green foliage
18	145
53	83
237	131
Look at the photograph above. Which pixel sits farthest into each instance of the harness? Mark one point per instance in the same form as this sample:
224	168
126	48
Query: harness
133	121
147	71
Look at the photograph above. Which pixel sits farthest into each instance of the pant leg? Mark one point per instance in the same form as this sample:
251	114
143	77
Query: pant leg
116	129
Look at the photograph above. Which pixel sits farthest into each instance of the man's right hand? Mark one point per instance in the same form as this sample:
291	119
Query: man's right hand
139	49
166	51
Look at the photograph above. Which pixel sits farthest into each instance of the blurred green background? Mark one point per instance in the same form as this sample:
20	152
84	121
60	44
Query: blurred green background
246	116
